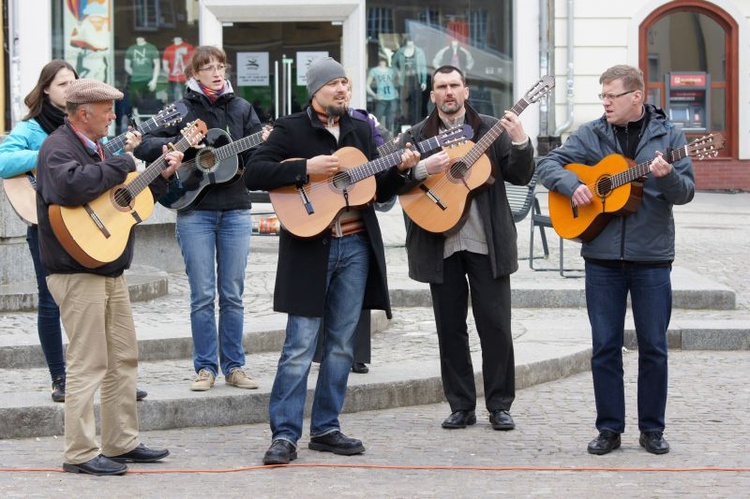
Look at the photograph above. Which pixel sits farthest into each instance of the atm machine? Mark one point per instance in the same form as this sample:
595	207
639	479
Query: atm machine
688	102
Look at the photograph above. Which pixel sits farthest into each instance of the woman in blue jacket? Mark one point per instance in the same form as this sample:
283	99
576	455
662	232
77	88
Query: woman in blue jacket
18	155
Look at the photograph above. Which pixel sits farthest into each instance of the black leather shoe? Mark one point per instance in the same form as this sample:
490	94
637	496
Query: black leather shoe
99	466
459	419
360	368
338	443
141	454
653	441
501	420
606	442
140	394
280	452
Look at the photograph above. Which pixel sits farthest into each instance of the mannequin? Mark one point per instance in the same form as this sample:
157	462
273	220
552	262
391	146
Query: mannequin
142	66
385	93
411	66
455	55
174	61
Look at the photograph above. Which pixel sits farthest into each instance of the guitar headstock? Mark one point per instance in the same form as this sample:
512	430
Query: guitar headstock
456	134
540	89
706	146
194	132
170	115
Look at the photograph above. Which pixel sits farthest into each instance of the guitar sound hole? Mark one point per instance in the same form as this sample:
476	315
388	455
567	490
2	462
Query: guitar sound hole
458	170
342	180
206	160
604	186
123	198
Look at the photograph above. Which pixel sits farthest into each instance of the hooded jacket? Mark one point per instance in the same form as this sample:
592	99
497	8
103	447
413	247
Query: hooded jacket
648	234
230	113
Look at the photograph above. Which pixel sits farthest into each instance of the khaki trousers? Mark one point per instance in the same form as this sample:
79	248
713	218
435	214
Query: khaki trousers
102	353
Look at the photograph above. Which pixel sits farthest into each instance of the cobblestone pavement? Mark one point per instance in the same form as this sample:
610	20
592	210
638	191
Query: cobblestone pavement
707	412
707	429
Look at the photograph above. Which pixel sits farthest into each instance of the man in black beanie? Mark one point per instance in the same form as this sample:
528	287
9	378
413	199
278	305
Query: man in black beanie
334	275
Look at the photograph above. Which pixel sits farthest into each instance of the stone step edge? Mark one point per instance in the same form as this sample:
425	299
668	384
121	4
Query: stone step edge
251	407
708	334
144	283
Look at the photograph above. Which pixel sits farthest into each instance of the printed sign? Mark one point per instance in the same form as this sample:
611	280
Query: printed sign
252	69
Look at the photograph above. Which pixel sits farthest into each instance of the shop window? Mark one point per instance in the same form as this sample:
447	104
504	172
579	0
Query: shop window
413	40
151	15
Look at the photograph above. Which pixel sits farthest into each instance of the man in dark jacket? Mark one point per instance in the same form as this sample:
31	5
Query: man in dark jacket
483	248
333	275
94	302
631	255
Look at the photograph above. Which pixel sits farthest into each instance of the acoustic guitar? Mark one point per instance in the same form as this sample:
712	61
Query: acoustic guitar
217	163
615	183
441	203
21	189
308	210
97	233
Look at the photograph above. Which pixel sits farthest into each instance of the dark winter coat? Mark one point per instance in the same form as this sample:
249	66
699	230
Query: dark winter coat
230	113
69	174
302	264
509	163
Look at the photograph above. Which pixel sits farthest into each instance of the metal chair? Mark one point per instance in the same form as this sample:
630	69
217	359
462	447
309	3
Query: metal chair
543	221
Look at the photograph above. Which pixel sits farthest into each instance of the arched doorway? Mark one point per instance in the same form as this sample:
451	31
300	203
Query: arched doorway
684	47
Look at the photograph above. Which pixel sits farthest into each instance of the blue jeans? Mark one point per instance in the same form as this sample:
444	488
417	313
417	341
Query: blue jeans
48	315
348	266
223	238
651	299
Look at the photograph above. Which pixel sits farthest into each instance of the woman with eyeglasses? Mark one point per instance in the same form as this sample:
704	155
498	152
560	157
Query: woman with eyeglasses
214	231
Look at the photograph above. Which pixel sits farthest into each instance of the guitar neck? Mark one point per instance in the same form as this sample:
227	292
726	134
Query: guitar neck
492	134
114	145
388	147
644	168
238	146
361	172
153	170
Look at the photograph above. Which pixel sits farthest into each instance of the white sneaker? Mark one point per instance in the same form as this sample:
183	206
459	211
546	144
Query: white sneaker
238	378
204	381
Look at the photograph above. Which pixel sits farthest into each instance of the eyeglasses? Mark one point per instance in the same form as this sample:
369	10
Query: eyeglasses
211	69
611	97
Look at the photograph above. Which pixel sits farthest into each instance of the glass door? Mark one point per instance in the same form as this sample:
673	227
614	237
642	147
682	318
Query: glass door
268	61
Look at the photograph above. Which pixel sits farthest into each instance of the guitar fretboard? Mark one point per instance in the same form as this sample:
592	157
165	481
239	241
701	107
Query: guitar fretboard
154	170
114	145
642	169
492	134
373	167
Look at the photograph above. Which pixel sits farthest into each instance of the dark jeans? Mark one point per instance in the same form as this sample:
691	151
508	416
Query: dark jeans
490	304
650	291
48	315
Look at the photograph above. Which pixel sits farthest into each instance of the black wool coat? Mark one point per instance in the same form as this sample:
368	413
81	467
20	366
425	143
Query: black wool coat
302	264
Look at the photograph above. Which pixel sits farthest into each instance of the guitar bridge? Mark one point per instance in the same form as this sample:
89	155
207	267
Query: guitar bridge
305	200
432	197
97	221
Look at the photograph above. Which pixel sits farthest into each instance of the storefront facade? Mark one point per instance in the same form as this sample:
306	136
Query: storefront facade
690	51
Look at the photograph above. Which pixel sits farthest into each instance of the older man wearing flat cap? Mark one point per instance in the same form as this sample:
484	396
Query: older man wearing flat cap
72	170
333	275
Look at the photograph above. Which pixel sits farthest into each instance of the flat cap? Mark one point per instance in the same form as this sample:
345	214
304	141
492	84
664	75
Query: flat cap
88	90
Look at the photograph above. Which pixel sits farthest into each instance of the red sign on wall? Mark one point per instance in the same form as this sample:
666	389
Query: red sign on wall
688	80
